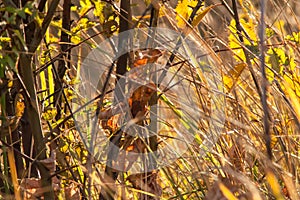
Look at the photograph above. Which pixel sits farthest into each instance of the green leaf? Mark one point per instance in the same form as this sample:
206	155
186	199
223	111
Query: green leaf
21	13
21	38
10	9
10	61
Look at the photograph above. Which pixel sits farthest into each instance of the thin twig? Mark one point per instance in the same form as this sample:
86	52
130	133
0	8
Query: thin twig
264	80
245	50
178	44
121	69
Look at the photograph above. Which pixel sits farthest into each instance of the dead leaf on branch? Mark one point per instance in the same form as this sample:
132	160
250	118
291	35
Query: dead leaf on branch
33	188
72	192
144	57
147	183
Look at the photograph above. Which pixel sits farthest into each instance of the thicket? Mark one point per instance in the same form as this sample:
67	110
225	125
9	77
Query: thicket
251	46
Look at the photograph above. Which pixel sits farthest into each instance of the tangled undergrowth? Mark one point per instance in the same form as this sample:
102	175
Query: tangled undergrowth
218	93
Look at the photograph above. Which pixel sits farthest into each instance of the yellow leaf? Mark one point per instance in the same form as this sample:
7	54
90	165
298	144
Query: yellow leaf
44	86
39	21
85	6
200	16
184	9
51	84
198	139
49	114
226	192
20	106
275	187
231	78
292	95
98	11
279	24
13	170
234	43
5	39
295	37
64	148
277	59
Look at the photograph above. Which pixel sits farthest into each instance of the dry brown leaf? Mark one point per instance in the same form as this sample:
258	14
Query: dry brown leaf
33	189
72	192
147	56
